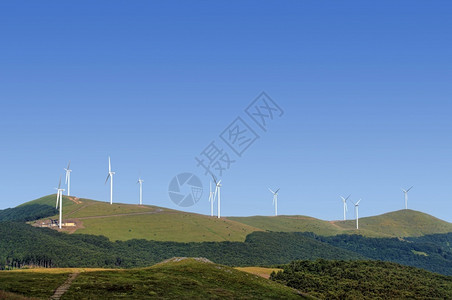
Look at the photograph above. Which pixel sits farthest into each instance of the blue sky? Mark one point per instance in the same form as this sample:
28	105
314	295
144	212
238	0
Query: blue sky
365	89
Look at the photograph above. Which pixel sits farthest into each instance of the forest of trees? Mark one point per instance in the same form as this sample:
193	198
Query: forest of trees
430	252
363	280
23	245
27	213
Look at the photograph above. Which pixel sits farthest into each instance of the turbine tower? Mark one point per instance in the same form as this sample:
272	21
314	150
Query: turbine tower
345	206
68	178
275	200
110	175
140	181
217	191
356	211
406	196
59	202
211	199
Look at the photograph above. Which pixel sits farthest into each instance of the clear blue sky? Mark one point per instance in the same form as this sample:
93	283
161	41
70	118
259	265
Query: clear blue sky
365	88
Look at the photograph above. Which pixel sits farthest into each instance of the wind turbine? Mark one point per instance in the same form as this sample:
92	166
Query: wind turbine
68	178
406	196
356	211
60	202
110	175
345	206
217	190
140	181
211	199
275	200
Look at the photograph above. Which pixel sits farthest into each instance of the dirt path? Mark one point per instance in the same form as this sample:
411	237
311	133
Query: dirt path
120	215
76	210
335	225
65	286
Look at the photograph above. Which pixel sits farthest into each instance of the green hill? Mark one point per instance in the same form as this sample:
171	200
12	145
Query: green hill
402	223
177	278
128	221
364	280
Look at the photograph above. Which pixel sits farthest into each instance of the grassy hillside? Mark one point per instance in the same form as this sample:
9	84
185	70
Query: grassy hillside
178	278
128	221
364	280
290	224
402	223
168	226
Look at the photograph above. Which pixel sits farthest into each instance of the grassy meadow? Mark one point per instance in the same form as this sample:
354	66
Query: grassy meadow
177	278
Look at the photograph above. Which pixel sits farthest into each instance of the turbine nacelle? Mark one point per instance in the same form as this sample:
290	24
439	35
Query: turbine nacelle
406	191
357	203
274	193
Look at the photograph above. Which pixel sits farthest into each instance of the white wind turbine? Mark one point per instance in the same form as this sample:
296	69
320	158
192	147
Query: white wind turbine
140	181
356	211
110	175
275	200
217	191
68	178
59	202
211	199
345	206
406	196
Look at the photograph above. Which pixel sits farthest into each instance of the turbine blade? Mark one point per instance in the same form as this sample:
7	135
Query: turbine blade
214	178
277	191
348	197
271	191
409	189
108	176
59	184
109	164
69	165
357	203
